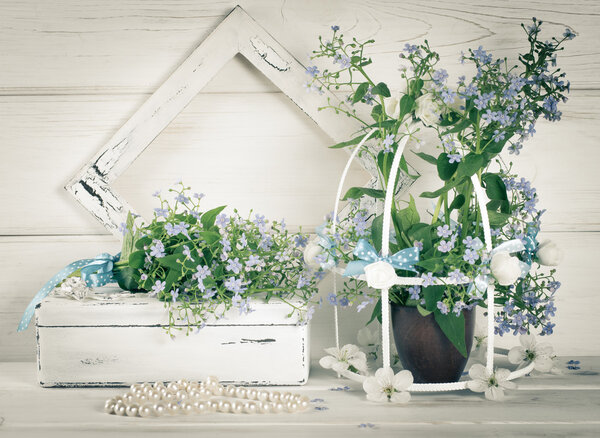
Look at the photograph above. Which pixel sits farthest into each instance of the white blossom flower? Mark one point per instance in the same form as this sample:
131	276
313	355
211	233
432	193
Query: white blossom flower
493	384
73	287
341	359
427	110
549	254
380	275
385	386
532	352
505	268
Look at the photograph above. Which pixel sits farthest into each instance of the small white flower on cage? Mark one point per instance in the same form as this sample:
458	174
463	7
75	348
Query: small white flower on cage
492	384
385	386
341	359
380	275
73	287
505	268
530	351
549	254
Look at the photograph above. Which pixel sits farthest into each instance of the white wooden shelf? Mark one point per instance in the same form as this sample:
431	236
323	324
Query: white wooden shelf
560	405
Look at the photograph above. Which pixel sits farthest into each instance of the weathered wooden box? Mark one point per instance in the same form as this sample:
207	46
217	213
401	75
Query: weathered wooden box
119	339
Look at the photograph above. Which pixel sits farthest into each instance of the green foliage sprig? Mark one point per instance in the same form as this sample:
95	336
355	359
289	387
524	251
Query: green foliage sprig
205	263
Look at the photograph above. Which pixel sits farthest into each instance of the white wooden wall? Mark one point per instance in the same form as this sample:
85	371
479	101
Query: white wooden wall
73	71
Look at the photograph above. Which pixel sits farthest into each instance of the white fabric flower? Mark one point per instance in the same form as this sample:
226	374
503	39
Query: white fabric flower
380	275
73	287
549	254
340	359
427	110
530	351
385	386
367	337
493	384
505	268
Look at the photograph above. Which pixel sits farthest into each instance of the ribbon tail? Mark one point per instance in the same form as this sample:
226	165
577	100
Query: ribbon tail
525	268
46	289
356	267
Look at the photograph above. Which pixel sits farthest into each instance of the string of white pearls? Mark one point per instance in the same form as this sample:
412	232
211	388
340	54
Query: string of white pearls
183	397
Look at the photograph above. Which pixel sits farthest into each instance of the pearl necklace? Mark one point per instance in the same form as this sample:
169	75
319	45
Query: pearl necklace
183	397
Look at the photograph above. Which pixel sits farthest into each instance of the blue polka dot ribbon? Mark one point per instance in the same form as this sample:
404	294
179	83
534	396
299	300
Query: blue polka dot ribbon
530	242
95	272
404	259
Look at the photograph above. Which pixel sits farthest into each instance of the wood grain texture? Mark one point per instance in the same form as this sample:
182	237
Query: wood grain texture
73	71
68	46
542	406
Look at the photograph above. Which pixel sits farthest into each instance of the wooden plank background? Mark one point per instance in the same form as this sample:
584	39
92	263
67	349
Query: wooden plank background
73	71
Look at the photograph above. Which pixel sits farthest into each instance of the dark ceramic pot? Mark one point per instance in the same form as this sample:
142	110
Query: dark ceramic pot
425	350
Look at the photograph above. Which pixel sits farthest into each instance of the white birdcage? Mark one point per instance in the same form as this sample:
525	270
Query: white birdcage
412	281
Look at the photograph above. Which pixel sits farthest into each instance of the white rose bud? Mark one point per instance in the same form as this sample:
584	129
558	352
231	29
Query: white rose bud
380	275
505	268
312	250
427	110
549	254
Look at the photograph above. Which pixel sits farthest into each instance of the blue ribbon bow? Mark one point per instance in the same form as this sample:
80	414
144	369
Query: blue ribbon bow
531	243
403	259
95	272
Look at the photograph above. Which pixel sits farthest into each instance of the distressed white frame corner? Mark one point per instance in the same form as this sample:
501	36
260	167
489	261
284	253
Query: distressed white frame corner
237	33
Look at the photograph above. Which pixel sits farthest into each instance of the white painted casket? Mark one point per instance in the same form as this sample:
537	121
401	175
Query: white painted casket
119	339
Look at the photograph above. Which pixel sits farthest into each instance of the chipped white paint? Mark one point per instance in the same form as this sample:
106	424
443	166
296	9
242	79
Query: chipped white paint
120	339
237	33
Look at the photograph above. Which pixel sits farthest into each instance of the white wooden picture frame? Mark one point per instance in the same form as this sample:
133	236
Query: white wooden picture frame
237	33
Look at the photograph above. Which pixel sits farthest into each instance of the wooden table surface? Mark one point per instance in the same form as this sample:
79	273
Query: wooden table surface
544	405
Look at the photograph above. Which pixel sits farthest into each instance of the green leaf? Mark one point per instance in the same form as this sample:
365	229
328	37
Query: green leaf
381	89
171	261
376	112
449	186
360	92
142	242
445	168
209	237
432	295
429	158
136	259
377	232
209	217
407	103
421	232
470	164
415	87
129	237
457	202
354	141
432	264
458	127
423	311
376	314
172	276
454	328
494	186
127	278
408	216
358	192
498	220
